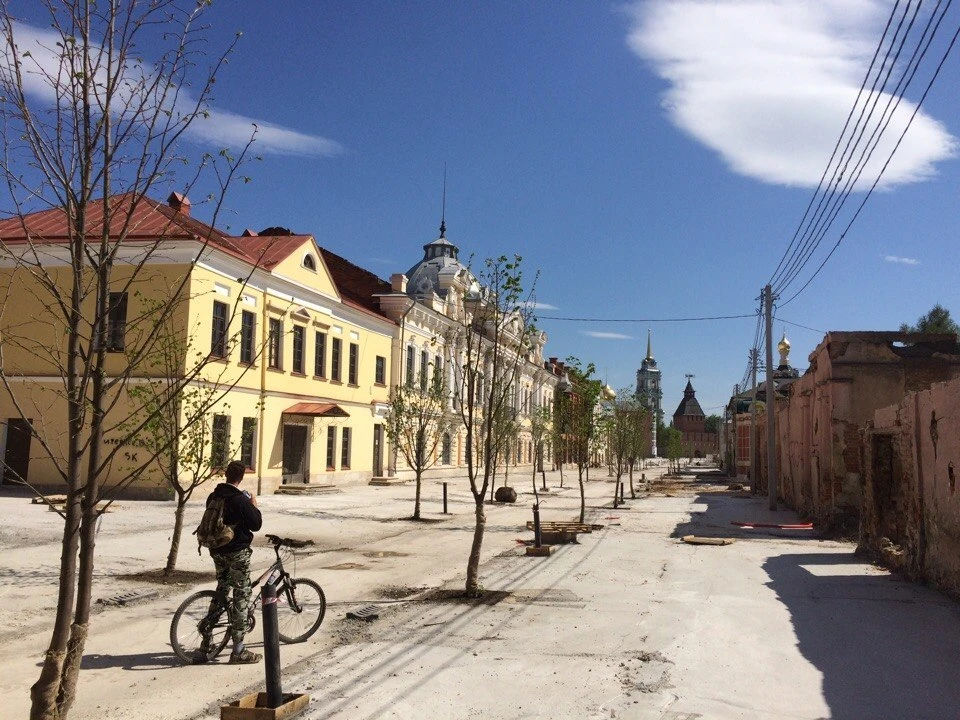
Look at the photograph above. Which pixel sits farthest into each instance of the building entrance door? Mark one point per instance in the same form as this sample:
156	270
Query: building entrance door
378	450
295	468
16	458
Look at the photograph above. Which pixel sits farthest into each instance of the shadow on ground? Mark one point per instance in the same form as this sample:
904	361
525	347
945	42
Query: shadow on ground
886	647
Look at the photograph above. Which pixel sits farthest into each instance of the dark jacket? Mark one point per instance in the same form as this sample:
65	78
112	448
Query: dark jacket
238	512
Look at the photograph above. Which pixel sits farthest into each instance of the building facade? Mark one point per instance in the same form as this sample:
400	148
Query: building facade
299	371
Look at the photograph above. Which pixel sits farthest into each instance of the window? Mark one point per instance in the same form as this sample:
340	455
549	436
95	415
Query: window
220	441
275	343
320	355
353	363
331	447
248	442
410	357
248	336
218	337
298	334
335	359
345	449
309	263
116	321
445	450
424	362
380	372
437	372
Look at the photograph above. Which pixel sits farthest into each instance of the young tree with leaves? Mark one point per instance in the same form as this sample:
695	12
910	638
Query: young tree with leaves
86	118
581	421
541	420
493	336
417	422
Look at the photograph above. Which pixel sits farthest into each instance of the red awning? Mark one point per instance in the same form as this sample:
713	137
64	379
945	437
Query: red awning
316	409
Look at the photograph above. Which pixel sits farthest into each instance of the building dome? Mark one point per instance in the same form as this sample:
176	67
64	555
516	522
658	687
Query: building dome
439	266
784	345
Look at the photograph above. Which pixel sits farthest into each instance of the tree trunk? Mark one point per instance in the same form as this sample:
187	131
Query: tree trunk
473	587
633	493
416	501
177	532
45	691
583	496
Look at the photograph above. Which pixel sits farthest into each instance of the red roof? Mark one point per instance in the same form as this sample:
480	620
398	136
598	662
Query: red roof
356	286
134	217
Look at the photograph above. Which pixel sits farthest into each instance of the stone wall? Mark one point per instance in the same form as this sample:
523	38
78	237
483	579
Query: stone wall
911	502
851	376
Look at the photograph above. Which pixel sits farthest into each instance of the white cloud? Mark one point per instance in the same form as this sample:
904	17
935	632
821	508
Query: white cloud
901	260
543	306
606	335
221	128
768	84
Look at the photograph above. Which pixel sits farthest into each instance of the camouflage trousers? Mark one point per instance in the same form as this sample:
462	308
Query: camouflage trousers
233	573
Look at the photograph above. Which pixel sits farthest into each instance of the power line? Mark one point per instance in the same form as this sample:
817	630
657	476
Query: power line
873	142
873	60
832	202
913	115
636	320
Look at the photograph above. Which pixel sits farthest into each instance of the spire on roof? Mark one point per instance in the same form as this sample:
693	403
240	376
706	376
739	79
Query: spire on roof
649	349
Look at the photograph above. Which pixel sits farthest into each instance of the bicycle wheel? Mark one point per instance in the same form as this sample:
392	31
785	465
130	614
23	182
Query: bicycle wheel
300	608
202	615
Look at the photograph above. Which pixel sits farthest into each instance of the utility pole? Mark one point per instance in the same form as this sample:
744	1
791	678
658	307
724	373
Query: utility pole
754	482
771	403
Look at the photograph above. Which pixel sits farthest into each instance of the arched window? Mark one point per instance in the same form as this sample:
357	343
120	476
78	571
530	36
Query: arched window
445	450
309	263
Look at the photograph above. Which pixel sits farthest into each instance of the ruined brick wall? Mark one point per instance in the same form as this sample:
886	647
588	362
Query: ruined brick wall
822	451
911	506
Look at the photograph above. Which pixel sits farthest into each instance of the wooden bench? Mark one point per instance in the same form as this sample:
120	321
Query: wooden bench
555	533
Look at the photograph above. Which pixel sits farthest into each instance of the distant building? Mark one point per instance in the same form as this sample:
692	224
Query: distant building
691	422
650	393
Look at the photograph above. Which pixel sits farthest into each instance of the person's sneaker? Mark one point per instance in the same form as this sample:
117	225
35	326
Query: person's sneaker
200	656
245	657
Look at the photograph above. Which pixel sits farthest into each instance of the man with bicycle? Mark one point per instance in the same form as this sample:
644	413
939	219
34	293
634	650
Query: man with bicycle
232	561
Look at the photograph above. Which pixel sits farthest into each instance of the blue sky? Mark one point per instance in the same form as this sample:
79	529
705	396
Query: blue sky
652	160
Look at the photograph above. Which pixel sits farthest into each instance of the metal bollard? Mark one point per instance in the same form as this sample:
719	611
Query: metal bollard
445	499
616	495
536	525
271	646
621	492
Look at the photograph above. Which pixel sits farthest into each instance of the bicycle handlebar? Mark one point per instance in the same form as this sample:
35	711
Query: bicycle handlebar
287	542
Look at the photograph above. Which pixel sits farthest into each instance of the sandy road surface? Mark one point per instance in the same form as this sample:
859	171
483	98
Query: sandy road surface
628	623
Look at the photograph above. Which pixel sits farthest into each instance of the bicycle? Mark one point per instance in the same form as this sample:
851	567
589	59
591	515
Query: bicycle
301	605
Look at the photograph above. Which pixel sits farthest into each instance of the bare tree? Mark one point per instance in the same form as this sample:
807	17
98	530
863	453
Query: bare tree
492	337
89	128
416	425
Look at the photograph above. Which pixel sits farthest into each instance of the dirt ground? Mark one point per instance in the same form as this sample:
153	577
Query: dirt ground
628	622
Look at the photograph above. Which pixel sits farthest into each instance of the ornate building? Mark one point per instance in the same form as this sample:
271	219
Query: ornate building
649	393
427	304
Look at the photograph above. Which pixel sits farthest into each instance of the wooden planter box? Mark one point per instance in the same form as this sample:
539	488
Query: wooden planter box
254	707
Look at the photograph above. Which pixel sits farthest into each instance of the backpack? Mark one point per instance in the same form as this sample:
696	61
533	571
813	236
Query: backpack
212	532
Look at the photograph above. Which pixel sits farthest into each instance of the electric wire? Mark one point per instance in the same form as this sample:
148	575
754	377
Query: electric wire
889	111
832	202
913	115
866	77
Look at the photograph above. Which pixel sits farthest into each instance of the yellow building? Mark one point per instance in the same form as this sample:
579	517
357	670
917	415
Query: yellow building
293	353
